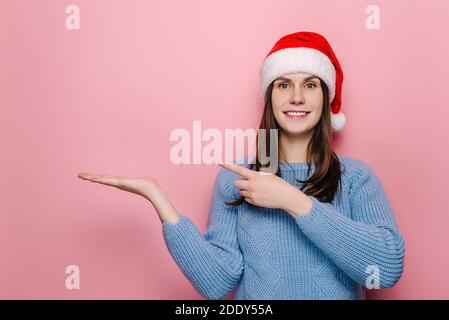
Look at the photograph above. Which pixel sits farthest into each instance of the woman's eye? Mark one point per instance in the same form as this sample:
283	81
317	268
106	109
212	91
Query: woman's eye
282	83
312	84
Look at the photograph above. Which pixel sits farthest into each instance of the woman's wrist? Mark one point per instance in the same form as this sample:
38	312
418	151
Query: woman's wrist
164	208
297	203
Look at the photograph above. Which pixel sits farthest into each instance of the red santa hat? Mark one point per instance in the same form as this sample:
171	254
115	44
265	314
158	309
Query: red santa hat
307	52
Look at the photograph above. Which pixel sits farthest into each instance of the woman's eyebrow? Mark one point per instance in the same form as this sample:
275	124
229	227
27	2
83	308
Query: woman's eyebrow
305	79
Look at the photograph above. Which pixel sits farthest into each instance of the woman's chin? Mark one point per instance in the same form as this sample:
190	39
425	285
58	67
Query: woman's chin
297	129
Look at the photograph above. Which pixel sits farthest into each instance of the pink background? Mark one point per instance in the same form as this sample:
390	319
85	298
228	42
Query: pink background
105	98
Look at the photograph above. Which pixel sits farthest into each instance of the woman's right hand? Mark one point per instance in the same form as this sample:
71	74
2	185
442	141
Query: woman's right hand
147	187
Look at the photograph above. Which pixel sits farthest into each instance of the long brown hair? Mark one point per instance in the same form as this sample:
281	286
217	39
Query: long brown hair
326	179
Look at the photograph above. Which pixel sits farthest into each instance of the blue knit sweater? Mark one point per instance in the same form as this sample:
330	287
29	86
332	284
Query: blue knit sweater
268	254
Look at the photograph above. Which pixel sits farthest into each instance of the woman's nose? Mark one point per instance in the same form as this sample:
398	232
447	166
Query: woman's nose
297	96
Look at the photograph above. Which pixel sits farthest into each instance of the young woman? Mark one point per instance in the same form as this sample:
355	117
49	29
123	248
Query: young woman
319	226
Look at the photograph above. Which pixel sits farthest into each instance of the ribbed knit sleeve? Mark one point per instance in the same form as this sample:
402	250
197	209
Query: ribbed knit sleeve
212	262
370	237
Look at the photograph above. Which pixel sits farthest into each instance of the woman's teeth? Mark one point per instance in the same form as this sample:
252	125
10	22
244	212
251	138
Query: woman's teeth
296	114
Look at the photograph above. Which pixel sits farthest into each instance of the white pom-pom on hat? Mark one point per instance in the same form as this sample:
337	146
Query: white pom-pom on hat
338	121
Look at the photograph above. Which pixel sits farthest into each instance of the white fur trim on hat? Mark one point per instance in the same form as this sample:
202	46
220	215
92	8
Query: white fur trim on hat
301	59
338	121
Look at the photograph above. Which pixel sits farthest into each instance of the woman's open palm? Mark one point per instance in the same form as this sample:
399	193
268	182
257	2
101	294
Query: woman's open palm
147	187
142	186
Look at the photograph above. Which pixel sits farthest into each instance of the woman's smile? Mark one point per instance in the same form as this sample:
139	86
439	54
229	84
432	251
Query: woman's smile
296	115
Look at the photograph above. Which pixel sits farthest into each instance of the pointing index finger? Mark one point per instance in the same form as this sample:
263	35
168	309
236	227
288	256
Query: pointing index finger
244	172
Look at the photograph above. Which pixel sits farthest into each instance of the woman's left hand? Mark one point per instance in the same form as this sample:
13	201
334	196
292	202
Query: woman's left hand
268	190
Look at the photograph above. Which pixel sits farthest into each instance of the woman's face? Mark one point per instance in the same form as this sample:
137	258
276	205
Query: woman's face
297	92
